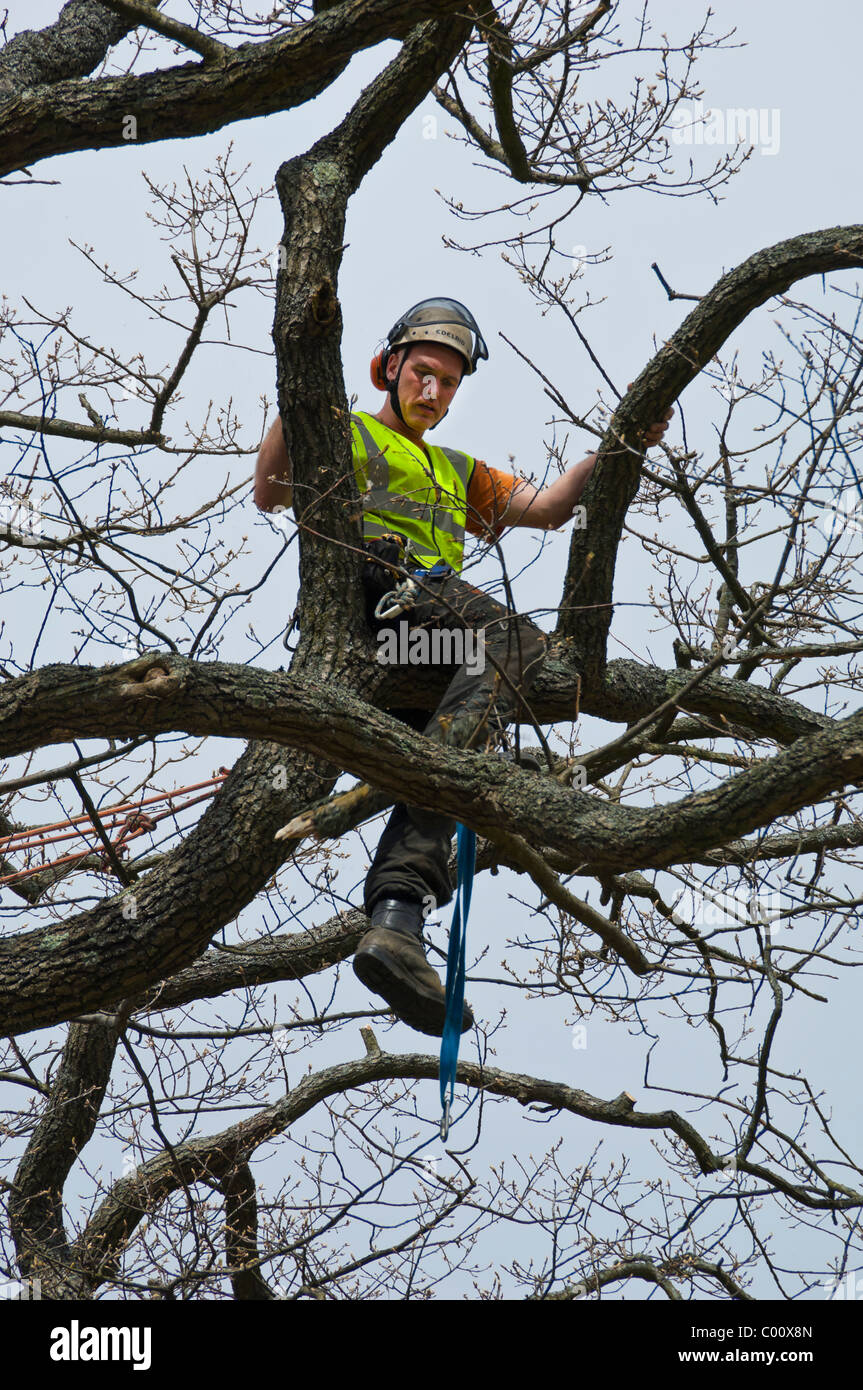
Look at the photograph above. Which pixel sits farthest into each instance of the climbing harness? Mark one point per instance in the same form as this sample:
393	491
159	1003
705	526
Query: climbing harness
455	973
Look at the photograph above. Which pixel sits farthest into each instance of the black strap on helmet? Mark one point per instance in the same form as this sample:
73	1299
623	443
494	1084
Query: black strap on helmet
393	386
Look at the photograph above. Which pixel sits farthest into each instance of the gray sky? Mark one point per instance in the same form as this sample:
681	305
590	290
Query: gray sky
800	70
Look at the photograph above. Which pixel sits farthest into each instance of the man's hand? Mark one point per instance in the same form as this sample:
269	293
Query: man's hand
653	434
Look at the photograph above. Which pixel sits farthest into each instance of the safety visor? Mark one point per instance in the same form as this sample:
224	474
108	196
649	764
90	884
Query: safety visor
443	315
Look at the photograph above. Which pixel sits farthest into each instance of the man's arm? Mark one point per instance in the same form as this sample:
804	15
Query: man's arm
550	507
273	474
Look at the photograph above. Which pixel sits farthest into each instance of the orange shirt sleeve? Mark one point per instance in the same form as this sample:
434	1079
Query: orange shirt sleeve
488	496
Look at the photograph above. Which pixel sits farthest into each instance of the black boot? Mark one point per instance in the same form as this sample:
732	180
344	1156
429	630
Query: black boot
390	960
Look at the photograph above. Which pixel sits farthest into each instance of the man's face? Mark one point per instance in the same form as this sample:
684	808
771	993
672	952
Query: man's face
429	380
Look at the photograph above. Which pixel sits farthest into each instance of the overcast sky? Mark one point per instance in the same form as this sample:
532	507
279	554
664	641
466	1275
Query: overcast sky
797	66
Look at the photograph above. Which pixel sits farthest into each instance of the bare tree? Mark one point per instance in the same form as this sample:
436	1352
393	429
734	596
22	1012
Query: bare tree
720	826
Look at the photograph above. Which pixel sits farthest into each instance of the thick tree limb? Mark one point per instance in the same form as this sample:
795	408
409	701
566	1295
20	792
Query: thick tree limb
290	957
62	701
500	75
627	691
503	66
48	975
65	1126
314	190
586	608
195	98
241	1235
210	1157
623	692
220	699
72	46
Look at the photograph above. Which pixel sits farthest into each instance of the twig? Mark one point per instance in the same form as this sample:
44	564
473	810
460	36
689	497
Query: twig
672	294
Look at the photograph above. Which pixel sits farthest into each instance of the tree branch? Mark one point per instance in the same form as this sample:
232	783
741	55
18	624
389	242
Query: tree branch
44	976
209	1157
66	1125
141	12
586	608
258	79
72	46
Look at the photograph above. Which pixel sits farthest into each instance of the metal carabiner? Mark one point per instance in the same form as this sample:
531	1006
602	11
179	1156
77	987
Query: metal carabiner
445	1121
398	600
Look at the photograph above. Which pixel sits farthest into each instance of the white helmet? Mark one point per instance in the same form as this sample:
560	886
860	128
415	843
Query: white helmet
440	321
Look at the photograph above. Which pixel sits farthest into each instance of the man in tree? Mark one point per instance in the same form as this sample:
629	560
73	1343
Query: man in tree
418	501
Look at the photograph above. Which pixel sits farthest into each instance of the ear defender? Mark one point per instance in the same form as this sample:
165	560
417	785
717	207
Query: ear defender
377	373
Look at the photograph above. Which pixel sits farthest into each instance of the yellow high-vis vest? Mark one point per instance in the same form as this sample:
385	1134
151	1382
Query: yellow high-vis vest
403	488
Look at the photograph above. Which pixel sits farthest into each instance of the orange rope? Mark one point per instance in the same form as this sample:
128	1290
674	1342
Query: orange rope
134	824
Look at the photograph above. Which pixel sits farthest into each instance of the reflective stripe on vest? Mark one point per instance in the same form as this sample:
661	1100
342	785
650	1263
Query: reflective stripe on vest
403	489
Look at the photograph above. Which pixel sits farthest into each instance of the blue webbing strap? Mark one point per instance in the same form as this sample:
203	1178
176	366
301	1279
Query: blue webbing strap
436	570
455	972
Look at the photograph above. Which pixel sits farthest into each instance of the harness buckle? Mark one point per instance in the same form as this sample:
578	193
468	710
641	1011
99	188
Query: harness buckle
445	1121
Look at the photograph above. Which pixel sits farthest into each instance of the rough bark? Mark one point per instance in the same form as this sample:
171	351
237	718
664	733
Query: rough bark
65	1127
113	951
73	46
195	98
